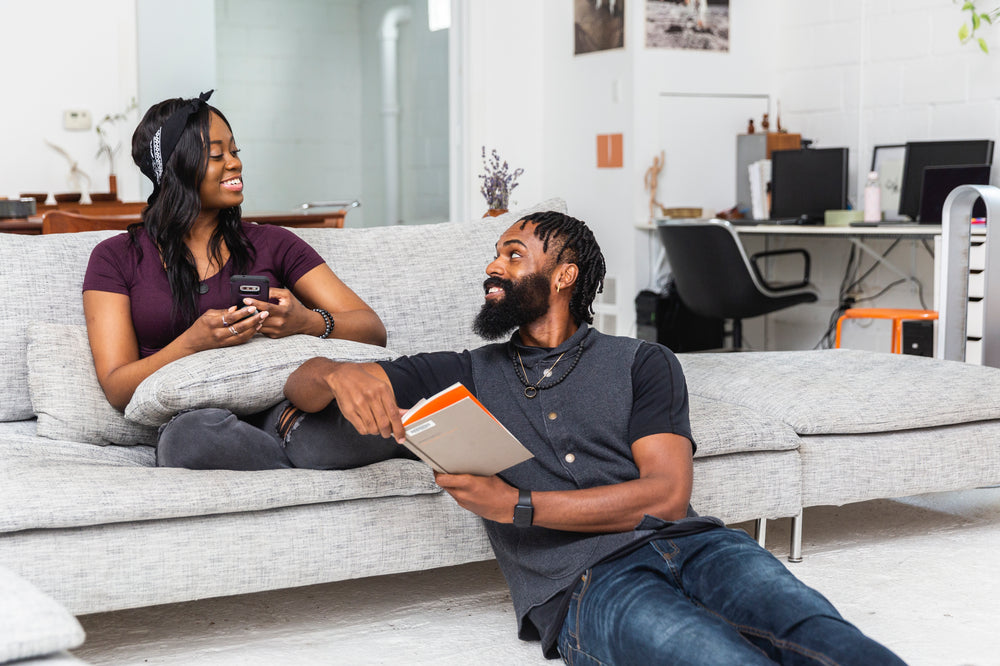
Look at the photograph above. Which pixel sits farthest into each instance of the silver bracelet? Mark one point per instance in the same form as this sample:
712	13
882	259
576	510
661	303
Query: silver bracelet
328	320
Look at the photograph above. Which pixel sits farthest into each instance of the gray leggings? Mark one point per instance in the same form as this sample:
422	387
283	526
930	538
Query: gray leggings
218	439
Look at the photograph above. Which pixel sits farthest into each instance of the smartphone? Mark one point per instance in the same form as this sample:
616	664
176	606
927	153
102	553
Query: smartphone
248	286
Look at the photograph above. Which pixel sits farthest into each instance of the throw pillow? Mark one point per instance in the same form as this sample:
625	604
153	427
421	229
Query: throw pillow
65	394
33	623
244	379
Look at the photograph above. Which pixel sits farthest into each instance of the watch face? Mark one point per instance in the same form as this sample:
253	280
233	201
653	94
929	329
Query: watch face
523	515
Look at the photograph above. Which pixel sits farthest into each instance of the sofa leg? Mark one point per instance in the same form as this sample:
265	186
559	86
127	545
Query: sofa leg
760	531
795	548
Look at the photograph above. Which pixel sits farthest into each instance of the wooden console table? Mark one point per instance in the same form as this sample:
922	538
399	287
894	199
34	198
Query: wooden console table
120	215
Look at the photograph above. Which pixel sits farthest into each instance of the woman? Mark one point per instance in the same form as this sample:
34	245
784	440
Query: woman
161	291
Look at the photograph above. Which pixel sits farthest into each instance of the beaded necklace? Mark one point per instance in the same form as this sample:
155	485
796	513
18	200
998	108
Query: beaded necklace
531	390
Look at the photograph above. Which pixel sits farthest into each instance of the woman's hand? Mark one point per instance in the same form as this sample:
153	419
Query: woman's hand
224	328
288	316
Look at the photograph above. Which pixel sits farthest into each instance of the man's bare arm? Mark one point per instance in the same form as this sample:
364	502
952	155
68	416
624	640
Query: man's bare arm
362	391
663	489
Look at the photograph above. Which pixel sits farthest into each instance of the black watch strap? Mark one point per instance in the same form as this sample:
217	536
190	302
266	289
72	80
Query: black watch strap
524	511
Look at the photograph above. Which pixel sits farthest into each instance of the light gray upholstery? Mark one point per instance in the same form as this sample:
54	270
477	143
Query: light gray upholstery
101	528
848	391
32	624
65	394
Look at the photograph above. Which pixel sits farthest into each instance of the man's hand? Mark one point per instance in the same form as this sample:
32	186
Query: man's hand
362	391
489	497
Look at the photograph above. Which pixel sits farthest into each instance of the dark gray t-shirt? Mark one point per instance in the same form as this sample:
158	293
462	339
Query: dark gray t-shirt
580	430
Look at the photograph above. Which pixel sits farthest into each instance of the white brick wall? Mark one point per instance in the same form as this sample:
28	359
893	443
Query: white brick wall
899	64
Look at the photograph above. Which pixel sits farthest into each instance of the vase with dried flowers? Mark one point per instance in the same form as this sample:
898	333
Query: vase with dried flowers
498	183
110	143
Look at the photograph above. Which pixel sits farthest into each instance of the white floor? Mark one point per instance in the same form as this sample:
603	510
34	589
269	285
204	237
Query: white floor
921	574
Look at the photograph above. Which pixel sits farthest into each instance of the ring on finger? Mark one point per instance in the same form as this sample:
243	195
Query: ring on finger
224	322
233	331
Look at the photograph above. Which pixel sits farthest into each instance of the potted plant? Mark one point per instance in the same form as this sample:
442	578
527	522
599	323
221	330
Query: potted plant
498	183
109	145
977	18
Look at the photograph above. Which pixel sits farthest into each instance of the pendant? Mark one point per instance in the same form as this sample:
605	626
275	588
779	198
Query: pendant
530	392
202	288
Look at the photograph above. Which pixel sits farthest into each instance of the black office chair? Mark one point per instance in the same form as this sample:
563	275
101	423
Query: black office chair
715	278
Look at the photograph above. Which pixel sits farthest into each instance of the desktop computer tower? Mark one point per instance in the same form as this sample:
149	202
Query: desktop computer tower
918	338
663	318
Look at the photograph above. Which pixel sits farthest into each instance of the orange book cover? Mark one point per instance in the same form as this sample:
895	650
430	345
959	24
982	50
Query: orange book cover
454	433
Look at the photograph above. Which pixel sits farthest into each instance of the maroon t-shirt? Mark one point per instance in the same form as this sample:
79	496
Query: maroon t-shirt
116	266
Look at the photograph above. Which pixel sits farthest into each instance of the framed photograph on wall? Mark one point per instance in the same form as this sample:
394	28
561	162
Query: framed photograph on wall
887	162
701	25
598	25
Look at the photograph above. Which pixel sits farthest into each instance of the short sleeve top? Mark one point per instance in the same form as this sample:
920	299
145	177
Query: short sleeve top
119	266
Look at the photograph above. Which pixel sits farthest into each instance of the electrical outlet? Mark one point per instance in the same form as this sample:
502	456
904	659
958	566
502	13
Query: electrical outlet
77	119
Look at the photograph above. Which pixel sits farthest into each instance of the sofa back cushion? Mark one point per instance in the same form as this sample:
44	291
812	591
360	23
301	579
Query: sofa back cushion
424	281
40	279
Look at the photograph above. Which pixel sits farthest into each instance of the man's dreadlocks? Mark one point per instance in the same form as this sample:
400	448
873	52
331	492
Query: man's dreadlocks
577	245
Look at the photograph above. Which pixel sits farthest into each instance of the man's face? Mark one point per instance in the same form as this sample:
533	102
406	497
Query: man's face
518	286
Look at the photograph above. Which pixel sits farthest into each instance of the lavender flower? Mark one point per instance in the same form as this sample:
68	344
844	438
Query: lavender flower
498	181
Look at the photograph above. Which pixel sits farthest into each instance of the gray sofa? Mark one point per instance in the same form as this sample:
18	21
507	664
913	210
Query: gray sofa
87	518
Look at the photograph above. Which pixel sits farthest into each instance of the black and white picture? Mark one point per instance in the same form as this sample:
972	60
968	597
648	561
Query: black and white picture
598	25
688	24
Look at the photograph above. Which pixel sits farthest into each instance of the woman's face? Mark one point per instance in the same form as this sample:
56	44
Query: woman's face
222	186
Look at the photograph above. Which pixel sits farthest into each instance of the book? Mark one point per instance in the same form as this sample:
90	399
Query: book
453	433
760	177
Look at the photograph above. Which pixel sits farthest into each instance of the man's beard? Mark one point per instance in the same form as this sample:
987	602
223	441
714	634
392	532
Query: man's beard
523	302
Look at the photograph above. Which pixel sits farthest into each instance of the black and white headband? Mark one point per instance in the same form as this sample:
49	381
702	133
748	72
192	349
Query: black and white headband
162	145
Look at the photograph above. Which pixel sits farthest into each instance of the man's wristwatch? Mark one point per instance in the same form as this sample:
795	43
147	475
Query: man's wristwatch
524	511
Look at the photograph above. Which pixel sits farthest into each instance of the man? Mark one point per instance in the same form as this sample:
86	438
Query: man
603	555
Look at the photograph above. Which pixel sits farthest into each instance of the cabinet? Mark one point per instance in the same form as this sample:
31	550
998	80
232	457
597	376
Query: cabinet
975	314
751	148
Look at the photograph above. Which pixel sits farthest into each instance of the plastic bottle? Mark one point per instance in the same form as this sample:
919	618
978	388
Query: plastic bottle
873	198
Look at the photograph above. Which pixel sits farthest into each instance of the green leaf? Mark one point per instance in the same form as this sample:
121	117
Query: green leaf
987	18
975	22
971	6
982	45
963	33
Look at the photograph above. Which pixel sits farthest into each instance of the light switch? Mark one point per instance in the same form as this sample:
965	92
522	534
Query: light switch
77	119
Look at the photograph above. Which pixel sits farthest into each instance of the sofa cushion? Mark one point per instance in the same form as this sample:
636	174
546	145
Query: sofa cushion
424	281
32	624
721	428
113	484
65	393
841	391
56	299
245	379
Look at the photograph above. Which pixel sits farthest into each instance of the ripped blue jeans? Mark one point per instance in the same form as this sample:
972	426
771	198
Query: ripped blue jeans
715	597
214	438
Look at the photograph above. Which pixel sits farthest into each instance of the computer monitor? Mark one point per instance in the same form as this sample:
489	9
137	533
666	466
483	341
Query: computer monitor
923	154
808	182
938	183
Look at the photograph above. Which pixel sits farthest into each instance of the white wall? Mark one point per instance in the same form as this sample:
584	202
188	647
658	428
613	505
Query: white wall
507	46
59	55
546	107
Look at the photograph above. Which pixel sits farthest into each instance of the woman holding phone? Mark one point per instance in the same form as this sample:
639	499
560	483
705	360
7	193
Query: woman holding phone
162	290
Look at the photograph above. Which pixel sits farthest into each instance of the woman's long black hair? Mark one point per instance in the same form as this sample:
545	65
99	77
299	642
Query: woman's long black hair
175	204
